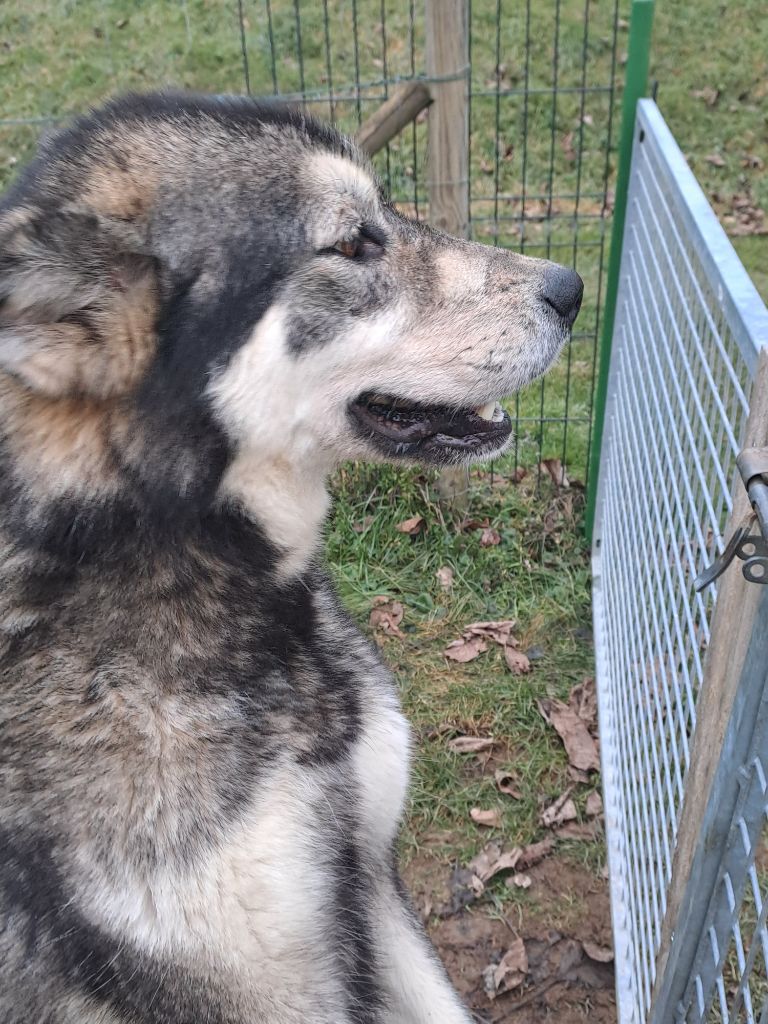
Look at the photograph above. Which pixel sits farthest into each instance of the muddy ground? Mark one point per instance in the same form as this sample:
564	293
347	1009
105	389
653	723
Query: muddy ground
565	909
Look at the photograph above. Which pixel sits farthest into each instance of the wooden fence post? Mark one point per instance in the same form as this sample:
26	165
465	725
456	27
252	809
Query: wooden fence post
707	805
447	52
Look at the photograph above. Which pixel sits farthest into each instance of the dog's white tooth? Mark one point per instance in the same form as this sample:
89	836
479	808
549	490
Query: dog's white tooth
487	411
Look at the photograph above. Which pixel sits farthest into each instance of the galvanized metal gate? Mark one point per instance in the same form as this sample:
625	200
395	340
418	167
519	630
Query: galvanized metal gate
684	729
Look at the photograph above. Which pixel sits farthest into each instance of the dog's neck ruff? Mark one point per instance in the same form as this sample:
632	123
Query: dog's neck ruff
289	503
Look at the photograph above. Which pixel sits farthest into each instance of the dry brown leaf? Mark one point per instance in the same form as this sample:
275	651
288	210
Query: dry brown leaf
577	775
363	524
602	954
535	852
464	650
715	159
745	218
488	819
752	161
556	472
492	859
386	615
480	864
470	744
583	700
579	745
519	881
445	577
576	830
708	94
517	662
509	973
412	526
500	632
489	537
594	805
562	810
505	783
475	524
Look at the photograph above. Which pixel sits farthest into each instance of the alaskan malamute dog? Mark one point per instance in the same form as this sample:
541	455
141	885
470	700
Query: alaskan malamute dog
205	305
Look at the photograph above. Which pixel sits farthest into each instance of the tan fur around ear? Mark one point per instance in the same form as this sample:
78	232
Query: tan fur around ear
100	351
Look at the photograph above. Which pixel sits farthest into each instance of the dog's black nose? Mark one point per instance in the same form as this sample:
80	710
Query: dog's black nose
563	289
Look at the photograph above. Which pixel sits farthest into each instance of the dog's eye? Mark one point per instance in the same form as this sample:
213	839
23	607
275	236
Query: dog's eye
366	244
349	247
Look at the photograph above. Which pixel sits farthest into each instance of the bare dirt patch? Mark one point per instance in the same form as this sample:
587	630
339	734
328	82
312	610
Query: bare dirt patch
563	920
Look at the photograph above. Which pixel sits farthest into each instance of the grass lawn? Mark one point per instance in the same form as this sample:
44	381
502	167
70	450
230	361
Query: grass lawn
532	188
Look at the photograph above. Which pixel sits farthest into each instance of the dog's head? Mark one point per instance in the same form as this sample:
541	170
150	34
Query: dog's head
190	283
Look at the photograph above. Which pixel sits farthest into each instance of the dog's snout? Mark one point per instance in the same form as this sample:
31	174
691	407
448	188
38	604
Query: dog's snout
562	290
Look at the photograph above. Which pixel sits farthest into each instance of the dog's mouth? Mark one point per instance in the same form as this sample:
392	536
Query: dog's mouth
432	433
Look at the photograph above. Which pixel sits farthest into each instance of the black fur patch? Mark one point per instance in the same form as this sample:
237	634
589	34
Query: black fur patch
353	935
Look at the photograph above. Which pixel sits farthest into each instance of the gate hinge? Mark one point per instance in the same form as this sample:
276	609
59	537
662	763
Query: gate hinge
749	540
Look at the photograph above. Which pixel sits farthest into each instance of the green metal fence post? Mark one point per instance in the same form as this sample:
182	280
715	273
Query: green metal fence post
635	84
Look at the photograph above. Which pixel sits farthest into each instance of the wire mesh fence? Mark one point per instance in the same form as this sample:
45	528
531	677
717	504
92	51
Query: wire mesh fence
541	90
686	339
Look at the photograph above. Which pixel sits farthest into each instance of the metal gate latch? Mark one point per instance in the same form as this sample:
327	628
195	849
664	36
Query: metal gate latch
751	547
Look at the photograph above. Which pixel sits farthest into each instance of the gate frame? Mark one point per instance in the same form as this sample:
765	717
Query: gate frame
732	688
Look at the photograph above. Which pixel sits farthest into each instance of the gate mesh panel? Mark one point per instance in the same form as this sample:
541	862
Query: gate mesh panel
679	388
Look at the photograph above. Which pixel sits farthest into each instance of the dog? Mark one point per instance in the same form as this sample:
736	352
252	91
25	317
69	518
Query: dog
206	304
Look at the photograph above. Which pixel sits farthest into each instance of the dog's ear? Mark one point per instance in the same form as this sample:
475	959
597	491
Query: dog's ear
78	302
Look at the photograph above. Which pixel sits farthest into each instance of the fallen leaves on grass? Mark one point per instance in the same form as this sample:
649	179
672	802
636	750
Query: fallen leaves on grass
519	881
486	818
562	810
594	805
509	973
752	161
386	615
467	525
572	730
505	783
470	744
467	648
577	830
500	632
708	94
468	883
445	577
489	537
517	662
745	217
535	852
715	159
413	526
473	642
492	859
583	700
